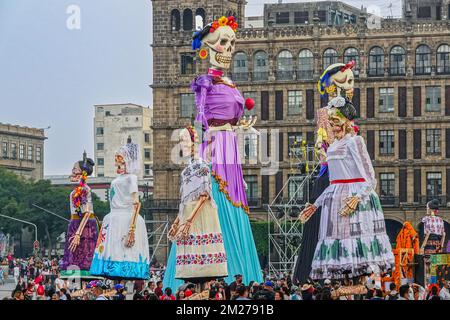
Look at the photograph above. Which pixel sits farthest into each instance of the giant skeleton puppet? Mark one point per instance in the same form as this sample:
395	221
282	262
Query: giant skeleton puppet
220	110
122	250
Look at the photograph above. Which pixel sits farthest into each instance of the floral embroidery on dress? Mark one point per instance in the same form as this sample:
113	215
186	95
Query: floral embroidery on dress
201	239
201	259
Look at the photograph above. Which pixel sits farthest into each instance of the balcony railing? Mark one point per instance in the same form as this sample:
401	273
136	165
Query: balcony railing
424	199
443	70
260	76
375	72
239	76
389	201
423	70
397	71
285	75
305	74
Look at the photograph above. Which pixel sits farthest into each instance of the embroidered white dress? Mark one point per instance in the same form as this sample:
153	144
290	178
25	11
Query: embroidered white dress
349	245
112	258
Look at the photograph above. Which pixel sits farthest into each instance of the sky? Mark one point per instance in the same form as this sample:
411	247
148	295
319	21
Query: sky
52	73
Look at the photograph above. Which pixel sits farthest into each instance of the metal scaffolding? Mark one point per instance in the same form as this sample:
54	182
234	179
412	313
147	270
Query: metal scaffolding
157	236
284	228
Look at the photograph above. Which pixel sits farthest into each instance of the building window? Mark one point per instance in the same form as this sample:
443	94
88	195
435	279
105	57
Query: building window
187	64
188	22
387	185
240	67
434	185
175	19
147	170
282	17
187	105
100	161
294	102
200	16
295	187
30	153
22	152
386	101
285	66
433	99
433	141
252	95
376	62
397	61
100	131
100	175
352	54
386	142
301	17
330	57
5	150
305	65
250	146
294	144
13	151
252	188
147	137
100	146
260	67
424	12
322	14
423	59
443	59
147	154
38	154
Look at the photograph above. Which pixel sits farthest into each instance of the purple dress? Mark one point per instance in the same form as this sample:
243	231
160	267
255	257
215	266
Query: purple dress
219	104
78	263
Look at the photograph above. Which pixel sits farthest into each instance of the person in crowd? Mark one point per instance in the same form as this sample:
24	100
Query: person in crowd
151	287
434	293
279	295
393	294
242	292
158	289
235	283
180	295
55	296
18	295
295	293
266	293
167	295
404	292
307	291
444	294
378	294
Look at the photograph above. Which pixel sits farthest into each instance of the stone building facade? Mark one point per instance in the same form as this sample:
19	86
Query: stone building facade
22	150
402	97
112	126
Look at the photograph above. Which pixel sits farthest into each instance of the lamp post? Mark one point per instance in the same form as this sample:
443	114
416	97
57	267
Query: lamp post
26	222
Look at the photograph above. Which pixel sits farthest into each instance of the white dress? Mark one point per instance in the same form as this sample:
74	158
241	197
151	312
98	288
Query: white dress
349	245
112	259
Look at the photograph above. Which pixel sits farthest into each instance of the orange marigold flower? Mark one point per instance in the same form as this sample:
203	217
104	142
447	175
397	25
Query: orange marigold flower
223	21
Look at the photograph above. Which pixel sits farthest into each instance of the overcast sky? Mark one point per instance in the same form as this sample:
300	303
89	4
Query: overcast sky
52	76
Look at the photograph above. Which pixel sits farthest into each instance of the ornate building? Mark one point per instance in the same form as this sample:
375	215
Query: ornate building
402	96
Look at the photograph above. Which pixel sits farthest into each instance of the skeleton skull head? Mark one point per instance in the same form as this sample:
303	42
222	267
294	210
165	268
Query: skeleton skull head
341	82
221	44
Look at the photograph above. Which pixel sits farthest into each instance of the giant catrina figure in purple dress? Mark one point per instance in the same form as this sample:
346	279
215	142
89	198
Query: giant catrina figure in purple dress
220	107
82	231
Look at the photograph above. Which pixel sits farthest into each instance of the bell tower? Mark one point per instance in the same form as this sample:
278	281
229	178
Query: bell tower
174	67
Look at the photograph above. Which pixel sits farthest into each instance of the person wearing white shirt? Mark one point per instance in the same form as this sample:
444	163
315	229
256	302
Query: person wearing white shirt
445	292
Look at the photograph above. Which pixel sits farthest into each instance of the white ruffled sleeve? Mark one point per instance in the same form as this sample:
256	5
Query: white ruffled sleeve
364	163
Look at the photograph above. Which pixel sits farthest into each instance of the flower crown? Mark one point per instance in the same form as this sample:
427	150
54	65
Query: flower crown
224	21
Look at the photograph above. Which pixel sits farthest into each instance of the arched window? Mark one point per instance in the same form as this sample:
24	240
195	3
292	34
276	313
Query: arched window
376	62
330	57
175	20
352	54
305	65
240	67
397	61
200	16
188	22
423	59
260	66
443	59
285	66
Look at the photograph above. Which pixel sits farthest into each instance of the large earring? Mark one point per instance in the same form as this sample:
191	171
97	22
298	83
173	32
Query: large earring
203	54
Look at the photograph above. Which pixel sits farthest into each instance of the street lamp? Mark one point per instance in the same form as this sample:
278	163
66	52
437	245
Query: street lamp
23	221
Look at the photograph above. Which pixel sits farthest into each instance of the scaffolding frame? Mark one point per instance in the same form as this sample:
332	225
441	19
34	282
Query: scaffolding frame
285	230
157	236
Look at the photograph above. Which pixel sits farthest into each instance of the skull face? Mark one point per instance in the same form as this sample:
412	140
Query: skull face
221	44
344	81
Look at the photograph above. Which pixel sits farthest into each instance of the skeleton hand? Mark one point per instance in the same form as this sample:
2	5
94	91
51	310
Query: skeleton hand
307	213
75	242
351	204
174	229
130	237
247	124
184	232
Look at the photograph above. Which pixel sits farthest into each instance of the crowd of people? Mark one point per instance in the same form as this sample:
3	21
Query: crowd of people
39	279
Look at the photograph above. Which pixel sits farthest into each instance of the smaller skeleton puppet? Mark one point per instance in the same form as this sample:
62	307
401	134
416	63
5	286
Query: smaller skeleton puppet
82	231
433	229
352	235
122	250
196	231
